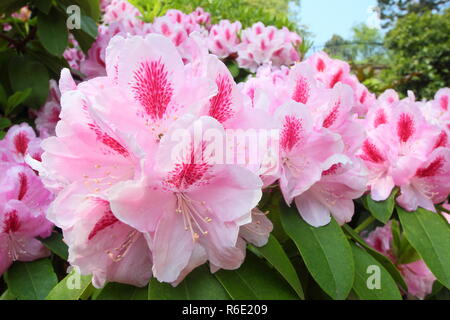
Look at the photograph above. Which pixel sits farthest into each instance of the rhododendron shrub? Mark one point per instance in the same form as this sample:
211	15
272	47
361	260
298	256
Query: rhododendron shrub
155	166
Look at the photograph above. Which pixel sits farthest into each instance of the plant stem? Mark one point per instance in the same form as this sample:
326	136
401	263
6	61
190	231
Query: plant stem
364	224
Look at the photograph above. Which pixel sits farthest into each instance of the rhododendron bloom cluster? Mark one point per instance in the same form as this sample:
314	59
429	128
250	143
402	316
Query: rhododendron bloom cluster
111	164
153	161
403	149
255	47
23	199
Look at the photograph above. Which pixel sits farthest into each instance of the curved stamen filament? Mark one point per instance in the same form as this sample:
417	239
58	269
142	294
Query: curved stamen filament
120	252
191	215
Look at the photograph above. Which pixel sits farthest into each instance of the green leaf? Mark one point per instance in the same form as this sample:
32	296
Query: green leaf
381	210
255	280
429	234
8	295
53	63
276	256
56	245
25	73
89	26
3	96
15	99
325	251
119	291
31	280
388	289
43	5
5	123
200	284
385	262
72	287
52	31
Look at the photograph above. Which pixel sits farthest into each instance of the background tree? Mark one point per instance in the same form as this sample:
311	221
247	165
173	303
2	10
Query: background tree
391	10
419	50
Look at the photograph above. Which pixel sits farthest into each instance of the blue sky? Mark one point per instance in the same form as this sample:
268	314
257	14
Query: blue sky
327	17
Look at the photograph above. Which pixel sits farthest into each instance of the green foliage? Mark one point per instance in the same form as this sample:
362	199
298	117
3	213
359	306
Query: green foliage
420	53
387	290
255	280
391	10
119	291
199	284
56	245
31	280
31	51
277	257
381	210
429	234
325	251
72	287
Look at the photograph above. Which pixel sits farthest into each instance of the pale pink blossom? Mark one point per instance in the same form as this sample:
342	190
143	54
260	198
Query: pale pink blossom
201	16
124	12
342	181
224	38
23	203
187	211
400	141
261	45
20	141
48	115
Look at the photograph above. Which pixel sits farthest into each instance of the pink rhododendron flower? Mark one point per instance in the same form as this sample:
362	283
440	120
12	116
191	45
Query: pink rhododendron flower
261	45
124	12
341	182
201	16
20	141
224	38
417	276
403	149
23	202
168	214
23	199
330	72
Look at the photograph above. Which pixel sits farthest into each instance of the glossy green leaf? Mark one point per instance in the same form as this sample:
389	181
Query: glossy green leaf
381	210
52	31
16	99
8	295
429	234
200	284
367	266
276	256
56	245
385	262
72	287
31	280
325	251
255	280
25	73
4	123
120	291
